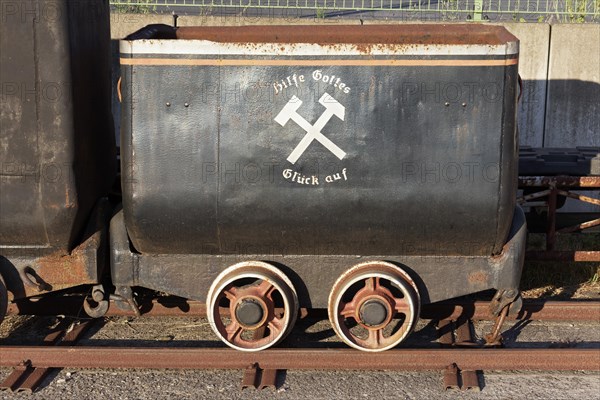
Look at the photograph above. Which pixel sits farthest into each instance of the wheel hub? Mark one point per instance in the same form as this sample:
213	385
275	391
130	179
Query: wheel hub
374	313
250	313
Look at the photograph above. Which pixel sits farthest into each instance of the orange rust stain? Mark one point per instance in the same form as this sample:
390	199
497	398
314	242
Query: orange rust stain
477	277
366	35
67	270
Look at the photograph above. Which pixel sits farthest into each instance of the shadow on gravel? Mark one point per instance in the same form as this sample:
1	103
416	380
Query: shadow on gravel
34	331
481	379
511	334
31	331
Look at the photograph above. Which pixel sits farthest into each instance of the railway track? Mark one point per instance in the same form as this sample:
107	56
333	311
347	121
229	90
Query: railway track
556	359
458	355
174	306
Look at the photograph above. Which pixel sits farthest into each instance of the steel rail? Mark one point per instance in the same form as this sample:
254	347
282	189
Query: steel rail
479	310
328	359
27	378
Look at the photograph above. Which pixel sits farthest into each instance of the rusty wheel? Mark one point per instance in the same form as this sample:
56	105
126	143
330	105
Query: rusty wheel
252	306
3	299
374	306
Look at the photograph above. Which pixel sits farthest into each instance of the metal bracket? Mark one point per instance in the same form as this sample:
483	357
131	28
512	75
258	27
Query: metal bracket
124	299
505	302
259	378
455	378
96	305
503	298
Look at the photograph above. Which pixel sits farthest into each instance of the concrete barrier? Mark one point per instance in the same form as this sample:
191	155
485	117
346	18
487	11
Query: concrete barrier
573	101
533	69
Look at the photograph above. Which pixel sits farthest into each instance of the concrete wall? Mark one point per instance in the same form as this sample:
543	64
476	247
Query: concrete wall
573	99
533	68
559	65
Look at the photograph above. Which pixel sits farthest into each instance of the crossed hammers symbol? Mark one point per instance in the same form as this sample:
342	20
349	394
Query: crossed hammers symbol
313	132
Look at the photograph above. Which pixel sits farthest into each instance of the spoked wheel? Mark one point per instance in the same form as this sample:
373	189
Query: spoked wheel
374	306
3	300
252	306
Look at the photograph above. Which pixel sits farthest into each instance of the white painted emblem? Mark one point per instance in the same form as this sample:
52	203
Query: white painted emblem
313	132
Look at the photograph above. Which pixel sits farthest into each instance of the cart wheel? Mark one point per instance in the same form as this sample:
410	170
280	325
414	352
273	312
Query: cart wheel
252	306
374	306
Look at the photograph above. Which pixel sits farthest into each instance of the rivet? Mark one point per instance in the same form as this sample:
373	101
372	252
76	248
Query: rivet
446	104
187	104
168	104
464	104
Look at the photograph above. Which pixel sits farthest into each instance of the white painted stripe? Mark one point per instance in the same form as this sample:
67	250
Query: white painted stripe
205	47
352	62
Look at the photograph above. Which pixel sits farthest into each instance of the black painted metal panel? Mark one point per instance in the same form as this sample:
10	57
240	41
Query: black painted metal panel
428	166
57	144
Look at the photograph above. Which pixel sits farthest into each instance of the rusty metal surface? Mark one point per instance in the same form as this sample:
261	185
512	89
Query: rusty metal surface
470	381
581	226
479	310
428	34
555	359
457	333
553	191
579	197
85	264
560	181
26	377
61	271
494	338
450	377
464	336
33	380
11	383
445	333
455	378
250	378
268	379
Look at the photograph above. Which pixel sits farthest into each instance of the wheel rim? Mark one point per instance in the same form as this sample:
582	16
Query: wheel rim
374	306
252	306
